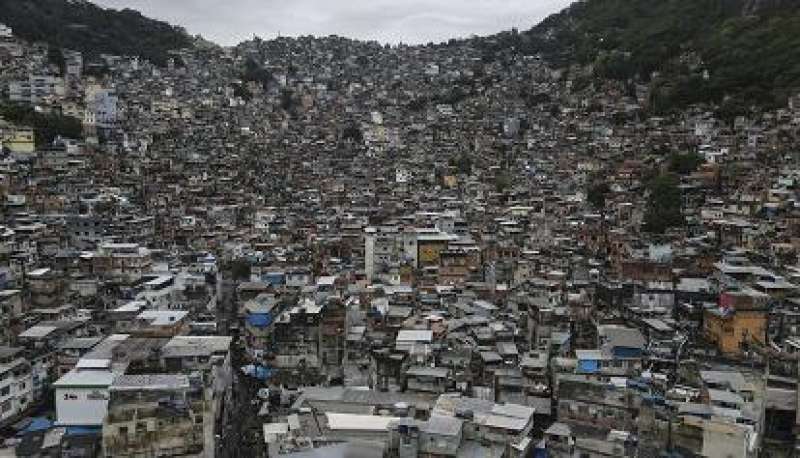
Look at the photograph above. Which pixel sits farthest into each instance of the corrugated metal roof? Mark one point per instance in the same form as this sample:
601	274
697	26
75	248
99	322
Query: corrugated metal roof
350	422
85	378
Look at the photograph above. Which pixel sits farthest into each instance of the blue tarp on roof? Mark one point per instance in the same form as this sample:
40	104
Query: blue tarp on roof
588	366
259	372
38	424
627	352
84	430
654	399
259	320
638	384
274	278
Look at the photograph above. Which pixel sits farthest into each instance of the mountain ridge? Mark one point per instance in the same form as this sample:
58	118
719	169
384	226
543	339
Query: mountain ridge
759	6
93	30
736	55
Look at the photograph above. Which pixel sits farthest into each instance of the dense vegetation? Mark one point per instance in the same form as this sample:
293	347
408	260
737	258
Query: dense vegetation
462	163
85	27
684	164
664	204
46	126
352	132
724	52
597	193
238	268
254	72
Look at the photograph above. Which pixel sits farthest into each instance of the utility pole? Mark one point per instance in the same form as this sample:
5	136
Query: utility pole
673	382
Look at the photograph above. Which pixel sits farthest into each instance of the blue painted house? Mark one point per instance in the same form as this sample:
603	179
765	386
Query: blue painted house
623	345
590	361
274	278
260	313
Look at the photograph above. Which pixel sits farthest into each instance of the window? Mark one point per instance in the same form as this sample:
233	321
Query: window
97	395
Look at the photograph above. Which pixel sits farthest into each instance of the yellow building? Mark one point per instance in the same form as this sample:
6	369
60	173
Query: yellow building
429	248
741	318
18	139
450	181
73	109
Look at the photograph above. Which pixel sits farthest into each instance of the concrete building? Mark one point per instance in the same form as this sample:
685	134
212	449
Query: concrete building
16	383
125	262
154	414
82	394
36	89
101	108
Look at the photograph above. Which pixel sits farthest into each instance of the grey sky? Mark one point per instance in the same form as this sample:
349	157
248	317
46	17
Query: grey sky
228	22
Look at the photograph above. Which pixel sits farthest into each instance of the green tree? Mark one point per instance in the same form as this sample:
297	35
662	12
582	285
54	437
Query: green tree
417	104
240	90
46	127
463	163
240	269
352	132
56	57
287	100
502	181
664	203
597	193
684	164
253	71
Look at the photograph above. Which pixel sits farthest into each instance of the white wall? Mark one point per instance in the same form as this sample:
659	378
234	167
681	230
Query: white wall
369	256
411	248
728	444
73	407
19	395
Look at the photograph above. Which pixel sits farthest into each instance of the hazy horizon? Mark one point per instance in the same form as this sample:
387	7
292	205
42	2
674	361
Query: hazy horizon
409	21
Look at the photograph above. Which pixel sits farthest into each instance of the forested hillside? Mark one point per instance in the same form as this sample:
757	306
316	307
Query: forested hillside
83	26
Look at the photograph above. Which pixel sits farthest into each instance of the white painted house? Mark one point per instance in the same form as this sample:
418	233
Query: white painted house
82	394
16	383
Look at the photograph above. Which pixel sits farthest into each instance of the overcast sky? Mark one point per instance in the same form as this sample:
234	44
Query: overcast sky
228	22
